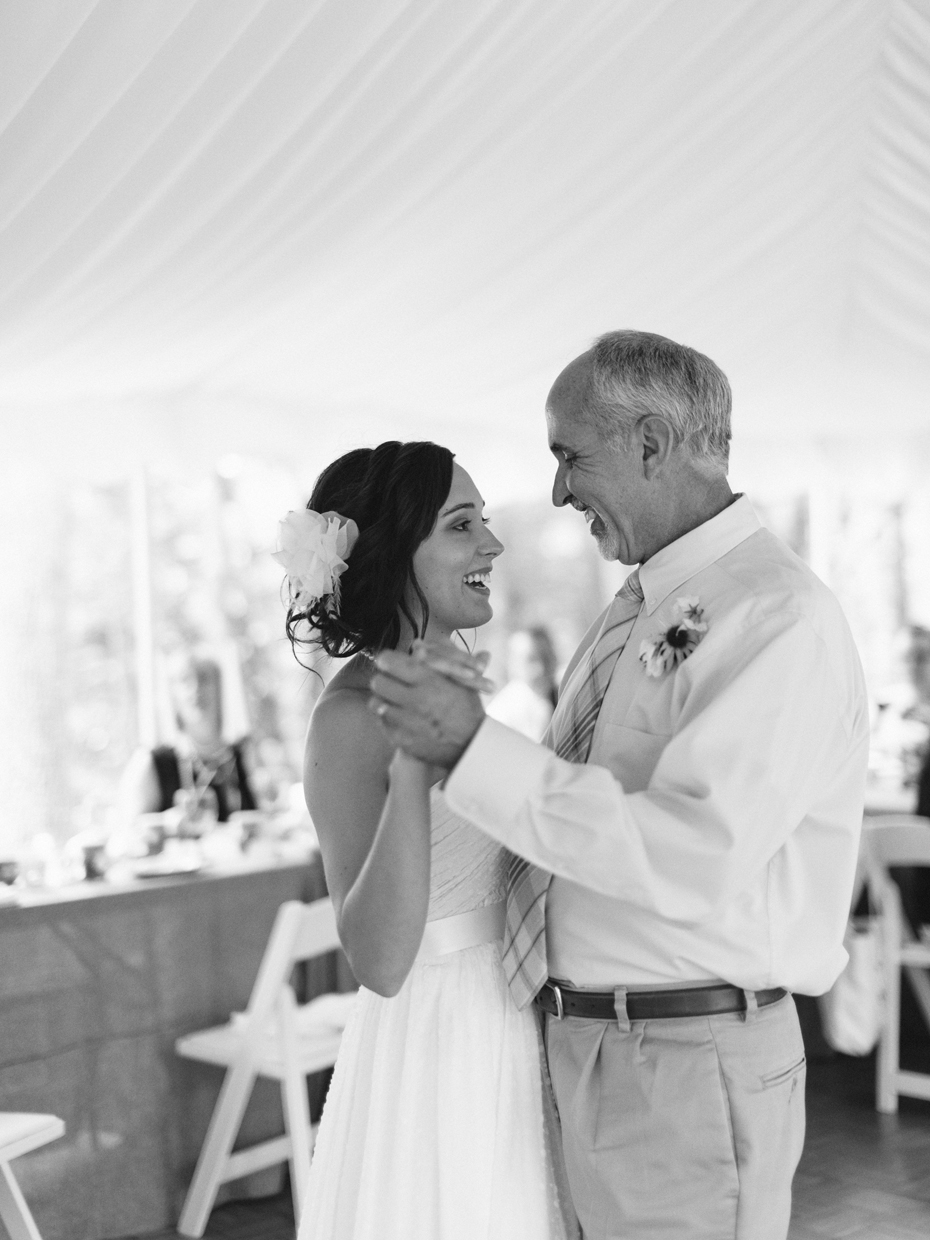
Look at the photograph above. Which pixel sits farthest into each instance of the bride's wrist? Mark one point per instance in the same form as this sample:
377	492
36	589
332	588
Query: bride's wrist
404	766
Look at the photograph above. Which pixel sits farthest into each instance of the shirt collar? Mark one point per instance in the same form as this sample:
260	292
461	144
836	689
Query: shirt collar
698	549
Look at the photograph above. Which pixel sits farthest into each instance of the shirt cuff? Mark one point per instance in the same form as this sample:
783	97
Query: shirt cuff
495	777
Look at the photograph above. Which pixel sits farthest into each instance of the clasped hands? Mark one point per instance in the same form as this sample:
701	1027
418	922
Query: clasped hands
428	700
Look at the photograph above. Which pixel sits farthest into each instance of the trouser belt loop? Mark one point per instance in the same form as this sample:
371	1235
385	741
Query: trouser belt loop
623	1020
751	1005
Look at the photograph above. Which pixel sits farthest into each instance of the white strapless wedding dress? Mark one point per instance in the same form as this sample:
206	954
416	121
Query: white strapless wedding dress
438	1124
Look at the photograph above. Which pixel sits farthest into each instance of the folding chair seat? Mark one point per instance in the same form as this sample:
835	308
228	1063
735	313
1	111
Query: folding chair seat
19	1133
889	841
277	1038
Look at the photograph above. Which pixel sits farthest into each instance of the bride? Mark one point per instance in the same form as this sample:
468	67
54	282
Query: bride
437	1125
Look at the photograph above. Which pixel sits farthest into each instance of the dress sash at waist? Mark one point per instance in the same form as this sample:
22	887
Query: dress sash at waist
453	934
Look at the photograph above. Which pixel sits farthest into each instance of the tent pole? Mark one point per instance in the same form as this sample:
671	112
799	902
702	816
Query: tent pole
142	608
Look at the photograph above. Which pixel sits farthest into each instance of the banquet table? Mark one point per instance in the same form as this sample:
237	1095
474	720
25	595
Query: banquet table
888	799
96	983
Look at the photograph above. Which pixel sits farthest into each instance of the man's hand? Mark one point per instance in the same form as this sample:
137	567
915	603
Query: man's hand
424	712
459	665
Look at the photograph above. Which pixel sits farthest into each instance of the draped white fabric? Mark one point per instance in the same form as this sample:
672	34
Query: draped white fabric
289	225
896	267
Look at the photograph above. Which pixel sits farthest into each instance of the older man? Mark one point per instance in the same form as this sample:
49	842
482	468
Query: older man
691	832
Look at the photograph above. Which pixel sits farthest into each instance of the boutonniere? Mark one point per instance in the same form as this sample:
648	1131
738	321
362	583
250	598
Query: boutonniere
673	645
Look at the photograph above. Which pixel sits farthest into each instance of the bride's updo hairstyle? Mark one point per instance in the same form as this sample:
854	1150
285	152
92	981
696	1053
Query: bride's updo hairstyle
393	493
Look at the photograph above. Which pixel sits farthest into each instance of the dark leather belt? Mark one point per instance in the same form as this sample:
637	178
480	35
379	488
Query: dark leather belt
559	1001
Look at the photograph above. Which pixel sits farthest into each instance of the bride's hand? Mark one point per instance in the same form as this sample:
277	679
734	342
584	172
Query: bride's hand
458	665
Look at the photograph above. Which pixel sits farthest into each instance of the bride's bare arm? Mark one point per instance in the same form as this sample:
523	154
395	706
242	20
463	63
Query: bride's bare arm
370	807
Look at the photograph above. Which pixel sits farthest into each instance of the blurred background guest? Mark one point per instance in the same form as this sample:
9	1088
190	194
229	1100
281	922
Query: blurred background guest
913	723
919	660
528	699
914	882
199	770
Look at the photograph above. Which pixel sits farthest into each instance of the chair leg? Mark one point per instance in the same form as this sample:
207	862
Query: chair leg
920	985
887	1060
14	1211
295	1104
224	1125
297	1121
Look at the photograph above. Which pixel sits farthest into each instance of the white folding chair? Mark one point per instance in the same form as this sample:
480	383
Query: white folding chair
897	840
277	1038
20	1133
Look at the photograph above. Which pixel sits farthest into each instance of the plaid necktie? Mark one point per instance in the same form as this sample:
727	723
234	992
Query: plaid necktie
570	736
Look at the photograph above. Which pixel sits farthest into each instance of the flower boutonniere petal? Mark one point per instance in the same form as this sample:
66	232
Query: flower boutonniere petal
673	644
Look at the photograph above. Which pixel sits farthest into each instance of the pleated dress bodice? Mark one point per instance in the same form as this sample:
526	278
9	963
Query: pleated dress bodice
467	868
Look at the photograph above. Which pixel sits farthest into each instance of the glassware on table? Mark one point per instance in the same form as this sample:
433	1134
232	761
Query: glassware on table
250	823
42	862
154	829
197	810
96	863
9	870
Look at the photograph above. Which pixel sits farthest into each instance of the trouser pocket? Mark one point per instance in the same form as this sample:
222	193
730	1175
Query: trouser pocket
782	1075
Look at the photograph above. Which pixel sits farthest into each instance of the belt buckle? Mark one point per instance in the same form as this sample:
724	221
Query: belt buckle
557	992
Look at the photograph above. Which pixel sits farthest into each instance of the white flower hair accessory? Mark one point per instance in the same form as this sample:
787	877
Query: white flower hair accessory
673	645
314	549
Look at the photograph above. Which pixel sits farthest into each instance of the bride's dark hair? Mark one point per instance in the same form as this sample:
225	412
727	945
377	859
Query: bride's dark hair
393	493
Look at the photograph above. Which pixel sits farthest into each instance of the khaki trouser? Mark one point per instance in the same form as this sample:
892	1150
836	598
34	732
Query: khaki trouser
684	1129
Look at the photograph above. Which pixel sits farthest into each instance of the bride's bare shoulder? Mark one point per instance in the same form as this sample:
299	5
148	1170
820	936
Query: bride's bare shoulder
342	724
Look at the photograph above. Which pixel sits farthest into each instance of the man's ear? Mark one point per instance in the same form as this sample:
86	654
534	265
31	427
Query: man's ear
658	441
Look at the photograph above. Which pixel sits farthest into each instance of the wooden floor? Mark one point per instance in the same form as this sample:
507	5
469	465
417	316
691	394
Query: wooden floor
864	1176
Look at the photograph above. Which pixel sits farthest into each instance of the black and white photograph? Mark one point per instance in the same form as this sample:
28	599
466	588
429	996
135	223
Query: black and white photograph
465	624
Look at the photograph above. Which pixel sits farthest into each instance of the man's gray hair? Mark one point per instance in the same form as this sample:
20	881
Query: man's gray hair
636	374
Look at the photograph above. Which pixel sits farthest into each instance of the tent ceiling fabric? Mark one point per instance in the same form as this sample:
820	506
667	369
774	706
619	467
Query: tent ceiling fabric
283	219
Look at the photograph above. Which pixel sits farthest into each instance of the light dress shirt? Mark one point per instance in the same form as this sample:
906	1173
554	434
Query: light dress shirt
713	831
